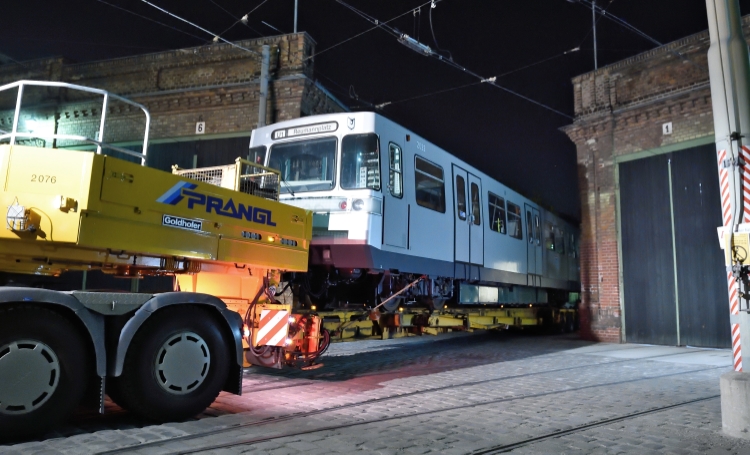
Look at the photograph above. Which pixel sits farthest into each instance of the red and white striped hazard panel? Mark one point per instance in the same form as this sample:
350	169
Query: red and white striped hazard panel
727	215
273	328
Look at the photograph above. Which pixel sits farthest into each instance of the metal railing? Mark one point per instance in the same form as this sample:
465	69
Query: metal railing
14	133
243	176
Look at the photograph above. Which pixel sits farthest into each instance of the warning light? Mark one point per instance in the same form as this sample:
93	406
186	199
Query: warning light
313	307
288	341
246	331
270	238
291	319
400	309
343	205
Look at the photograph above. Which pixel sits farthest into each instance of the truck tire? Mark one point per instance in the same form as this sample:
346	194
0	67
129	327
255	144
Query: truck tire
176	365
45	365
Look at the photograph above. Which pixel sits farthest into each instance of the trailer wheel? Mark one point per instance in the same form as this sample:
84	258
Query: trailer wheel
176	365
44	370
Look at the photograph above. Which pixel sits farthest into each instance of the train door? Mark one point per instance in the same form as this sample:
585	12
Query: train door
462	232
469	237
533	241
396	209
476	236
537	221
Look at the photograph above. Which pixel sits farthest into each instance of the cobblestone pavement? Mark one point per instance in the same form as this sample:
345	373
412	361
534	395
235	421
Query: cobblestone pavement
456	394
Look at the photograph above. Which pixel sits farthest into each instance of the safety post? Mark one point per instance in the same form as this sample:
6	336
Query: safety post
729	71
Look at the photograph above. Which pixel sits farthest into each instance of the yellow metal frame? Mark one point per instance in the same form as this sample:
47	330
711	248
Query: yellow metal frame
72	210
350	325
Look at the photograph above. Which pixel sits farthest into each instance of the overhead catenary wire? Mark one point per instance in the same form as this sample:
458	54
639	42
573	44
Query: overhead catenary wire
437	46
611	17
271	26
218	38
350	92
9	58
417	21
601	16
603	12
242	19
149	19
471	84
425	50
545	60
377	25
223	9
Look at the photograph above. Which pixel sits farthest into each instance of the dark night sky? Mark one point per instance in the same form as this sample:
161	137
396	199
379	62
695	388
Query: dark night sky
507	137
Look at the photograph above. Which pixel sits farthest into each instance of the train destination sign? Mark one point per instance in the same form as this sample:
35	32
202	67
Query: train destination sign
316	128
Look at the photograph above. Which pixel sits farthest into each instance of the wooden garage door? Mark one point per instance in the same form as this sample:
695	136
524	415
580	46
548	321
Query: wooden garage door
673	271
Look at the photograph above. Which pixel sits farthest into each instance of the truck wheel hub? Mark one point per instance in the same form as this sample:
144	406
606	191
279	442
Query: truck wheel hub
182	363
29	375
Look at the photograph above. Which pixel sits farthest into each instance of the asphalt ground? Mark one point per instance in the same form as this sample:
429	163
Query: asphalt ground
461	393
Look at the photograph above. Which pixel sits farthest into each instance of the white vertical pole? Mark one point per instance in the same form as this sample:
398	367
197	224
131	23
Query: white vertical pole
100	137
593	20
295	16
17	115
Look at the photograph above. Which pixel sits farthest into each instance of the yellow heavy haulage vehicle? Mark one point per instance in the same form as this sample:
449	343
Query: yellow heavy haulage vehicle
220	232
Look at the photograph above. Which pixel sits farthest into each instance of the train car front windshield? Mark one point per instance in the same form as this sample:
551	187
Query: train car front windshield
310	165
305	165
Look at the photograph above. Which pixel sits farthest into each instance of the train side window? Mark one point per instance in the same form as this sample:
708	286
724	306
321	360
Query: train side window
537	230
360	162
429	185
572	245
549	237
515	229
559	240
476	207
496	211
257	155
461	198
395	175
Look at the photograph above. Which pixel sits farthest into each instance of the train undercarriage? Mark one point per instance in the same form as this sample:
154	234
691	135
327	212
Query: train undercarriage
360	303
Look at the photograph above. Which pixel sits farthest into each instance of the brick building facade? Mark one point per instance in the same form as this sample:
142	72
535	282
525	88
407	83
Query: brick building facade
217	84
653	103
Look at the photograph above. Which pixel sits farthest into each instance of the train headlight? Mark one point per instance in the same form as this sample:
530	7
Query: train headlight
358	204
